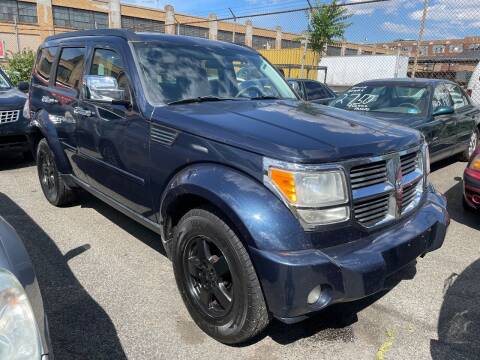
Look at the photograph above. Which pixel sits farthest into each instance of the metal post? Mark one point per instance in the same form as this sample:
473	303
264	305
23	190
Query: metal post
420	35
16	32
234	25
304	56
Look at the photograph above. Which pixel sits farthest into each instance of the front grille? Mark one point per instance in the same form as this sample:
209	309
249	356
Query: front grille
384	188
368	174
409	193
371	211
409	162
9	116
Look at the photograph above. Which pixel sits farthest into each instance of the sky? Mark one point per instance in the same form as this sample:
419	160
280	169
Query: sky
378	22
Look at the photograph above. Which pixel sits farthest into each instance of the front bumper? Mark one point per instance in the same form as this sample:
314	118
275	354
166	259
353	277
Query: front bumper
349	271
471	188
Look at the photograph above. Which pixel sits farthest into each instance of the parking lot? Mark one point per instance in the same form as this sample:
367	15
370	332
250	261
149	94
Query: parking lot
109	290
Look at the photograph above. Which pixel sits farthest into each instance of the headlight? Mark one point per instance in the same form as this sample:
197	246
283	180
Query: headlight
19	337
317	194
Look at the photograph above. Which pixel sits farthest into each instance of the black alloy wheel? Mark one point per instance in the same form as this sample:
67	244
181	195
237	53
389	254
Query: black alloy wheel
208	277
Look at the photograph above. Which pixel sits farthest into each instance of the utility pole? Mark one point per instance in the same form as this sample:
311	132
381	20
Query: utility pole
234	25
420	35
305	41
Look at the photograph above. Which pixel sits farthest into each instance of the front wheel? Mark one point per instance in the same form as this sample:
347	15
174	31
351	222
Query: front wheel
53	186
216	278
472	145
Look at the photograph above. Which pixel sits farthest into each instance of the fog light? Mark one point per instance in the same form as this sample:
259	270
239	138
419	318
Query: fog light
314	295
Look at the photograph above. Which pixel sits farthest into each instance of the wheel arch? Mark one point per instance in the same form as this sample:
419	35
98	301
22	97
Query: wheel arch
42	127
260	219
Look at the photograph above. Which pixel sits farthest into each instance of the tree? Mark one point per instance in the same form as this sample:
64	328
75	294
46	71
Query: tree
326	26
19	65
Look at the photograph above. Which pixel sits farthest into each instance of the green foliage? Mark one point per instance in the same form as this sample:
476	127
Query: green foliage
327	25
19	66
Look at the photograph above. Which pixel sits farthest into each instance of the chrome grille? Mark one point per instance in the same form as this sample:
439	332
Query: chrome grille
386	187
409	162
369	212
9	116
368	174
409	193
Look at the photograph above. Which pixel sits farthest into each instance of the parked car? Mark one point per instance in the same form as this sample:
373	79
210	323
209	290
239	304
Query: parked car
311	90
14	123
23	322
267	206
471	182
440	109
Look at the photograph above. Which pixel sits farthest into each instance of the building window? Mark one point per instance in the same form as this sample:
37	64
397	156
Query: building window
79	19
455	48
227	36
262	42
422	50
19	11
142	25
406	49
438	49
334	51
290	44
239	38
474	47
366	52
194	31
349	51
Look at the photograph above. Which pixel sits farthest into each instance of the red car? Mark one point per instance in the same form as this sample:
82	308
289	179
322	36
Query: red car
471	181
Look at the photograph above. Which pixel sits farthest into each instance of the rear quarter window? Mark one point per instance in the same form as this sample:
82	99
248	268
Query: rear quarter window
70	68
45	60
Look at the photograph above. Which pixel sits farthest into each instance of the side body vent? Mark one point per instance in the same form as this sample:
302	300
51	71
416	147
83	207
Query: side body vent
163	135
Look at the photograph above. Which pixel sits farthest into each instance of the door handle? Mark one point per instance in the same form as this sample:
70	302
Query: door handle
49	100
80	111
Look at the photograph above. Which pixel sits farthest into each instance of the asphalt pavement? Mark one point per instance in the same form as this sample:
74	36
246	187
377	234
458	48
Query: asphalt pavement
110	293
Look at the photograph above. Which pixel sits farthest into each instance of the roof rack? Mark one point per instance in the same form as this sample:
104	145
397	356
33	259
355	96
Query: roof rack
122	33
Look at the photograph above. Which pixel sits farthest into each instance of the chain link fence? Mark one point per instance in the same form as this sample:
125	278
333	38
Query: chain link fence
385	38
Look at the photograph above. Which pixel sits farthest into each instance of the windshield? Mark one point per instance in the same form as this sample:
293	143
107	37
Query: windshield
3	82
398	99
172	73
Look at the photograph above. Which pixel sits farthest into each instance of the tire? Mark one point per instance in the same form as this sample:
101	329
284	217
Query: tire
53	186
222	271
465	156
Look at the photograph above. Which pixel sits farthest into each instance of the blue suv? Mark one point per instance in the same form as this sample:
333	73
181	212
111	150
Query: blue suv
268	206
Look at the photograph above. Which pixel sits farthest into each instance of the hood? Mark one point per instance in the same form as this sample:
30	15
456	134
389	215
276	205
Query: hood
12	99
399	119
289	130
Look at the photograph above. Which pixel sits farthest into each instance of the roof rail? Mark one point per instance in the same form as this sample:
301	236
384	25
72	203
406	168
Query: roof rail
122	33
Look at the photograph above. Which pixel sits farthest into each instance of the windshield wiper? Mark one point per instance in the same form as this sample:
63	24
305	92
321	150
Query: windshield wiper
199	99
265	97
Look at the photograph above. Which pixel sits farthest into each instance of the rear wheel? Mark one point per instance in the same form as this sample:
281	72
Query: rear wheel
53	186
472	145
216	278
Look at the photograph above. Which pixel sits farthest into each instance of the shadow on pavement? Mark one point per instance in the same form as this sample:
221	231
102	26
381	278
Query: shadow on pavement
140	232
459	321
454	197
12	162
79	327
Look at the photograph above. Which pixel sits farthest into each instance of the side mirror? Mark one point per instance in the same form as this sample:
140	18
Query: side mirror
23	86
104	89
443	110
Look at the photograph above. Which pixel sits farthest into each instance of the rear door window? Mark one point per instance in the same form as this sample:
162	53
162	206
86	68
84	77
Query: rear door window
458	97
315	90
70	68
45	60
